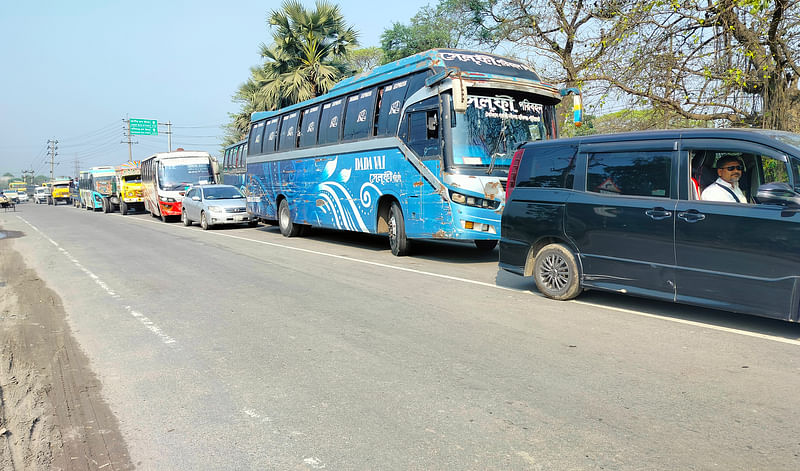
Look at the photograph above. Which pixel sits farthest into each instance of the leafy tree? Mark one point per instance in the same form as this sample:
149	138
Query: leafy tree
730	60
432	27
363	60
309	53
733	61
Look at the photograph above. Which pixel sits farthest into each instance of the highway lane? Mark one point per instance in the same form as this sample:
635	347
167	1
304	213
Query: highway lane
238	348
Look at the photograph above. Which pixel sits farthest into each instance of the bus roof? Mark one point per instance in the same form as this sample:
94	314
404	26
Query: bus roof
466	64
179	154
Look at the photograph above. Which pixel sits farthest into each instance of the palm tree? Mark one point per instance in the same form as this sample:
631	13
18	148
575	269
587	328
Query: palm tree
308	55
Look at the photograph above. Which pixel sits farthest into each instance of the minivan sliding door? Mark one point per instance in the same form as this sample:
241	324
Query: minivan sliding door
623	223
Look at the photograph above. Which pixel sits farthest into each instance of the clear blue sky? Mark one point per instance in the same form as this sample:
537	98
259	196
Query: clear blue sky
72	70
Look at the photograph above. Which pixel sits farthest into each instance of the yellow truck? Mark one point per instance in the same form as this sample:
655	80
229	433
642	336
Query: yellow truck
127	195
59	191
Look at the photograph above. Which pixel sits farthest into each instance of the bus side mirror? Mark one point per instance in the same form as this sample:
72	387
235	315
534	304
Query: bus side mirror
459	96
577	104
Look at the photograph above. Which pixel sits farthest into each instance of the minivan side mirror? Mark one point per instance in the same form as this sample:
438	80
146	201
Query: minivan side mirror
778	193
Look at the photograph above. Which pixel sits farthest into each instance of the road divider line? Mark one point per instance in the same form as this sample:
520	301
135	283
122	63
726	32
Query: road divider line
489	285
145	321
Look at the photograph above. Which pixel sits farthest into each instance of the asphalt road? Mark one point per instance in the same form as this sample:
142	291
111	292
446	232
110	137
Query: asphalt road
241	349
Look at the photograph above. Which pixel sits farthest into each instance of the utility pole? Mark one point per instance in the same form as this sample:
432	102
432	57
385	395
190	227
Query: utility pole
77	167
26	174
126	131
169	136
52	146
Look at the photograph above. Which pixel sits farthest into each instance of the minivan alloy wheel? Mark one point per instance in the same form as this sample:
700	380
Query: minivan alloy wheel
556	272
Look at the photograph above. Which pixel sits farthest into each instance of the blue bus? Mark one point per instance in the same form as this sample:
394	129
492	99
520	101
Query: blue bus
416	149
95	186
234	169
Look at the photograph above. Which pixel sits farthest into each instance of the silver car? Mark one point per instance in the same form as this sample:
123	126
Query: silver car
215	204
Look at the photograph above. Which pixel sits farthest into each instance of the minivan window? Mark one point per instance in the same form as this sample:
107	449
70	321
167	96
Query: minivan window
550	167
630	173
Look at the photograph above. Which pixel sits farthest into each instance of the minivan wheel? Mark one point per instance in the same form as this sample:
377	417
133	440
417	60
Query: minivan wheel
555	270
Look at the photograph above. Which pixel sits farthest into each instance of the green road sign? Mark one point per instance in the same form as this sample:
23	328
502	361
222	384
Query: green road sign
145	127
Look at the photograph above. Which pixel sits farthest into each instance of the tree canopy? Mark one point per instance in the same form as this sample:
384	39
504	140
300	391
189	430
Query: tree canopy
308	54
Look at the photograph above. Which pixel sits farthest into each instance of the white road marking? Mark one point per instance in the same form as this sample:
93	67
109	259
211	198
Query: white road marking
489	285
150	325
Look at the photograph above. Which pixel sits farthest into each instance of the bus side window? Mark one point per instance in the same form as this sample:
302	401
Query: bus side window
330	122
256	133
358	115
288	141
389	108
271	135
423	134
308	127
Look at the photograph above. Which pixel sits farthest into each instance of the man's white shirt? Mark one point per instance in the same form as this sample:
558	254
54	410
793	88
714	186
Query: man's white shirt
716	192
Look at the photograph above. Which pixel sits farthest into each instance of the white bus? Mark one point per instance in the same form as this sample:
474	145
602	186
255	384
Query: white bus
167	176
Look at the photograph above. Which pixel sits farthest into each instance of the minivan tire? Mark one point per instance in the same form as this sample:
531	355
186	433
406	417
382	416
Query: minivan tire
555	270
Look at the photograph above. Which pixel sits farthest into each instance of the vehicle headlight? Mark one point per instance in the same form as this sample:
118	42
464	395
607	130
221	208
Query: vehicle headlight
216	209
166	199
473	201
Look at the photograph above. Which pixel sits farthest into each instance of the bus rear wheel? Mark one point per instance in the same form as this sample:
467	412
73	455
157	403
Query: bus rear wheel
287	226
398	241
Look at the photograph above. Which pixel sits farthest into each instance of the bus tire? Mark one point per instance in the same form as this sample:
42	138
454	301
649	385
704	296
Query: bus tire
398	241
106	206
123	208
203	221
163	217
555	271
485	245
287	226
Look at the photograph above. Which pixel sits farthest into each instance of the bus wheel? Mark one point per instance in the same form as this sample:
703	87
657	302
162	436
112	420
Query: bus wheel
288	228
163	217
555	270
486	245
397	231
123	208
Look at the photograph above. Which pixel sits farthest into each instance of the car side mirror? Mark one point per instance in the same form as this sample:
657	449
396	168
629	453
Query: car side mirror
778	193
195	198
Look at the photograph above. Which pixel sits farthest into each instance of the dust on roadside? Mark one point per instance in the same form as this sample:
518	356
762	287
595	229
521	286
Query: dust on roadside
52	415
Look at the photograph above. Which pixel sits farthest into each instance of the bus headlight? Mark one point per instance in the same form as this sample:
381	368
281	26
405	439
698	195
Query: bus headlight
473	201
166	199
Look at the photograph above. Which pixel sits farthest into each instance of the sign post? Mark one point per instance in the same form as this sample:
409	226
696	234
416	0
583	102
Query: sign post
144	127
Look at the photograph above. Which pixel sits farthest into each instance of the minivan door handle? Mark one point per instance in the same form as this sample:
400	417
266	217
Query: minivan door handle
658	213
692	215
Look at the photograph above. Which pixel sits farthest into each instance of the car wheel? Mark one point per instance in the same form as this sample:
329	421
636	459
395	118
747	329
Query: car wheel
398	241
555	270
186	221
203	221
287	226
486	245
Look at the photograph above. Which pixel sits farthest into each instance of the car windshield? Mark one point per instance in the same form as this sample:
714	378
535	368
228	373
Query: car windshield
179	177
222	193
493	126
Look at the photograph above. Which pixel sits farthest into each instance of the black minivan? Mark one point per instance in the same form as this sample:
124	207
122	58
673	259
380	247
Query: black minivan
624	213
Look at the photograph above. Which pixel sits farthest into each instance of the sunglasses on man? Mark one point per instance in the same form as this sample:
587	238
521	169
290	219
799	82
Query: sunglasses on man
731	168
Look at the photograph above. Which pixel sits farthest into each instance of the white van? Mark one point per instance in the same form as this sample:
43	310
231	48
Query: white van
40	195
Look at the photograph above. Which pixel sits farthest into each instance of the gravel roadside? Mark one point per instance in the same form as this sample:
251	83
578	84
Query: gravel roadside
52	414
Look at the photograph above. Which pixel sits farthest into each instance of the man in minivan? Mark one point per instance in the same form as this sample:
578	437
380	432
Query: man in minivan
726	187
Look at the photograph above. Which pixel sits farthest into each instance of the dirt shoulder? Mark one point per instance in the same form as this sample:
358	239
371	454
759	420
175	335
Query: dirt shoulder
52	416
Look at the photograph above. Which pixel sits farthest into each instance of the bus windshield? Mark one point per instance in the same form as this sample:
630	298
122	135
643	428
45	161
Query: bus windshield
103	185
180	176
495	124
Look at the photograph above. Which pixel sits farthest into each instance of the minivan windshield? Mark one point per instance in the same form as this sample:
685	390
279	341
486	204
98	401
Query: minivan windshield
495	123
